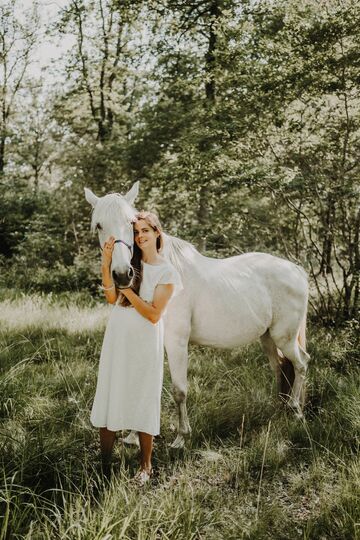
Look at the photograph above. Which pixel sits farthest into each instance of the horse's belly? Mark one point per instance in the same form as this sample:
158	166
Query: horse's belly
227	325
228	341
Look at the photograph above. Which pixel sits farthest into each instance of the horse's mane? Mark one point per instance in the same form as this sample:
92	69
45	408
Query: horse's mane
108	208
179	251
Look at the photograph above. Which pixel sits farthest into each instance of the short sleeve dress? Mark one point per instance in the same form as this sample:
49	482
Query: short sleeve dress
130	376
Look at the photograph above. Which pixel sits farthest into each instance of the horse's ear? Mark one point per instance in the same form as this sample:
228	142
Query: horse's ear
132	193
90	197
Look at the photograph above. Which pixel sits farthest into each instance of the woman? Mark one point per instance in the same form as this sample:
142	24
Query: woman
131	362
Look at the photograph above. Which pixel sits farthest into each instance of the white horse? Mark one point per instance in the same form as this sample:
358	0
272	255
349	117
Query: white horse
225	303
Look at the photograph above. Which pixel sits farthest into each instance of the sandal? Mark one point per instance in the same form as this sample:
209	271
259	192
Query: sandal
142	477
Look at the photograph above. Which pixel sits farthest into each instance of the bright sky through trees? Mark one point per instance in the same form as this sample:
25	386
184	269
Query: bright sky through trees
49	50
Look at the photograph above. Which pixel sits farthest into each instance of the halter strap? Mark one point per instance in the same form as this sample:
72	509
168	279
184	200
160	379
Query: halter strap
125	244
129	246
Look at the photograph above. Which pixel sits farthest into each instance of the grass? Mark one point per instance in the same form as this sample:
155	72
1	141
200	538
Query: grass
249	471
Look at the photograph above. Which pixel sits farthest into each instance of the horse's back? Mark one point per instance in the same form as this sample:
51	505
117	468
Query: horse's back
235	300
274	272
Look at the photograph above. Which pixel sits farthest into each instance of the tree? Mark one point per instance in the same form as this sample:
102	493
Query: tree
17	41
304	65
33	146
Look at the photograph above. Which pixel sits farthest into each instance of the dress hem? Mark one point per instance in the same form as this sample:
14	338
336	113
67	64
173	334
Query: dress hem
142	430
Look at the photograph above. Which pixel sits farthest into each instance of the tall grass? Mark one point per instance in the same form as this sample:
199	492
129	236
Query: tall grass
250	469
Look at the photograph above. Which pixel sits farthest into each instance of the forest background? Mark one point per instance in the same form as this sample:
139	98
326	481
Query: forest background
240	119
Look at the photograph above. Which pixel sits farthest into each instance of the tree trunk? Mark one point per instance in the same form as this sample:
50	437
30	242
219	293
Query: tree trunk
2	154
210	98
210	88
329	222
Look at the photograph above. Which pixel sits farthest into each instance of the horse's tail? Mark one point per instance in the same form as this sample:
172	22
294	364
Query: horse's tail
287	373
302	333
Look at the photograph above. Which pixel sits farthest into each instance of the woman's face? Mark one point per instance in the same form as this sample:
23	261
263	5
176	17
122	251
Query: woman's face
145	236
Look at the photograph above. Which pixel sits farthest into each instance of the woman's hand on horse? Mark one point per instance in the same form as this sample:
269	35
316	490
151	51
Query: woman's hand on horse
107	251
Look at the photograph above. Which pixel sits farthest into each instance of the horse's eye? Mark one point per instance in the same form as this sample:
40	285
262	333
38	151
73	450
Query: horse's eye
98	227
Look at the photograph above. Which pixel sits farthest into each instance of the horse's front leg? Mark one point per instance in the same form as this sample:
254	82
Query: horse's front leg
132	439
176	345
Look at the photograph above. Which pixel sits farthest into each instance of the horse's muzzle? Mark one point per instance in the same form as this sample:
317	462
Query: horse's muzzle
123	279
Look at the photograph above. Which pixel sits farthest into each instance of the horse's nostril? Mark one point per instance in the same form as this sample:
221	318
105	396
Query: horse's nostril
123	279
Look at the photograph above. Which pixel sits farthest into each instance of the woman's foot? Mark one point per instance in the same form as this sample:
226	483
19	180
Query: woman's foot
142	477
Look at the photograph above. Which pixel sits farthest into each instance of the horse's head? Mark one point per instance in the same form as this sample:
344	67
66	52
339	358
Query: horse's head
113	215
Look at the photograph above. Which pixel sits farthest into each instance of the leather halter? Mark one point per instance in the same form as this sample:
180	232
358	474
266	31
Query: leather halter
129	246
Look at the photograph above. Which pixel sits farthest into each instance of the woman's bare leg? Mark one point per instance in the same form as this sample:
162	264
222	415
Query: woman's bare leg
146	446
107	439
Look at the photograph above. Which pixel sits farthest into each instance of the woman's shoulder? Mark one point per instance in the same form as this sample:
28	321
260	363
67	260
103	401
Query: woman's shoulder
160	264
169	273
162	268
167	265
171	276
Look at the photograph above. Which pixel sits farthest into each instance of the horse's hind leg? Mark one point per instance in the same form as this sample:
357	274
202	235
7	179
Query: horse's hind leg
281	366
299	358
271	352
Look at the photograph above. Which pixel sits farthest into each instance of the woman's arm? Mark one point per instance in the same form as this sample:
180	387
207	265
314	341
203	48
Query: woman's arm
153	311
108	286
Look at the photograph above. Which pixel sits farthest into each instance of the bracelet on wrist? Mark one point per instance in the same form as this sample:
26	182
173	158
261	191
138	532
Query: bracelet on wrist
106	288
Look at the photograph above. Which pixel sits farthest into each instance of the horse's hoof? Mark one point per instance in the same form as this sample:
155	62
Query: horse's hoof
179	442
132	438
295	407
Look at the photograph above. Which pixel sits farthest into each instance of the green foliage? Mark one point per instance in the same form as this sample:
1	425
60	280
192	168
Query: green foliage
239	119
17	208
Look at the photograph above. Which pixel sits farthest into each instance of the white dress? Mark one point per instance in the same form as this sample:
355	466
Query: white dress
130	373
